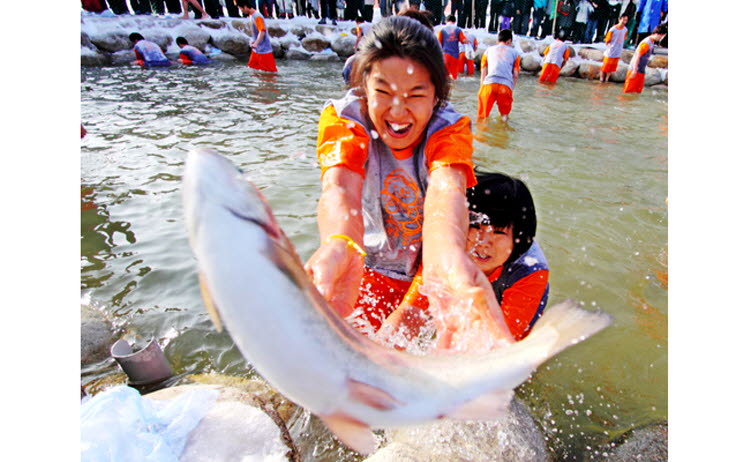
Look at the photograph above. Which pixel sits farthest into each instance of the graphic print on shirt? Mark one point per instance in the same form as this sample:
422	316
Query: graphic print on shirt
403	206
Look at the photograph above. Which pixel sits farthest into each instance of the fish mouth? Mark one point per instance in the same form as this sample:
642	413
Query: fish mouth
398	130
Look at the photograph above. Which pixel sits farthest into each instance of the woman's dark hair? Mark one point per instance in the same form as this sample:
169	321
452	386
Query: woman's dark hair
135	36
423	16
406	38
505	201
504	35
181	41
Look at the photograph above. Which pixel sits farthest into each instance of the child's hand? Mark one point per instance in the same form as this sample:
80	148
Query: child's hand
336	270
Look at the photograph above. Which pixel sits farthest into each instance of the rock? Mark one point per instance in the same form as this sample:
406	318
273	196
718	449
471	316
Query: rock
288	41
195	36
573	52
315	43
569	69
122	57
626	56
275	30
512	438
111	41
343	45
527	46
666	77
645	444
298	53
589	70
277	50
301	31
658	61
224	57
620	74
325	29
86	41
233	43
211	23
592	54
325	57
531	62
653	77
97	333
93	57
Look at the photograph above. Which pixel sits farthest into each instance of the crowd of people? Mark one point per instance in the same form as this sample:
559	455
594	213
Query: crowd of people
582	21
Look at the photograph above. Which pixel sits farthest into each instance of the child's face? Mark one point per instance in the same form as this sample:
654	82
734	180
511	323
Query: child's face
400	100
489	247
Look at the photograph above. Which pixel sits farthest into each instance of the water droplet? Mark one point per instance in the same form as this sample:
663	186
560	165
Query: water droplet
374	134
410	69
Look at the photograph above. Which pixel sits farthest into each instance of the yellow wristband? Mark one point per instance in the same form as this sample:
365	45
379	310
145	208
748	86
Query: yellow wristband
349	243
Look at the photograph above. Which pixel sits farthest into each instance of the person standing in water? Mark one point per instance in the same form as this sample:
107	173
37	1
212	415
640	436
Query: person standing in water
396	160
614	39
261	53
500	66
451	37
555	56
636	76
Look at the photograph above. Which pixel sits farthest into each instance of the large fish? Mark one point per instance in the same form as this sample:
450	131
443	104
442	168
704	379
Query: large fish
255	284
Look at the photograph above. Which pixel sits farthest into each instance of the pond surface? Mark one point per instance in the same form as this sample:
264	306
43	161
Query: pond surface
595	161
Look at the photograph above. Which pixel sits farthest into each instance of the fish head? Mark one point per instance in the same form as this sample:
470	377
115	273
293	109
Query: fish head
212	181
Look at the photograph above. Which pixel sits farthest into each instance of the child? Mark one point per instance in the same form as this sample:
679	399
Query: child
501	243
636	75
147	53
466	56
395	159
614	39
450	38
501	65
555	56
189	54
261	55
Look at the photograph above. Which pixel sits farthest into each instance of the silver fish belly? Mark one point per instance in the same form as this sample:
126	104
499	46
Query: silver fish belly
255	285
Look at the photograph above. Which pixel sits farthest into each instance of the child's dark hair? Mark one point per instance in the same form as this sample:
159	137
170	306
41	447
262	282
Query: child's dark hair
624	15
504	35
660	29
181	41
246	3
406	38
505	201
135	36
423	16
450	18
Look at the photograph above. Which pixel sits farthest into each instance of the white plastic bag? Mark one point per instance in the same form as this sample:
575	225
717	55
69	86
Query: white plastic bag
120	425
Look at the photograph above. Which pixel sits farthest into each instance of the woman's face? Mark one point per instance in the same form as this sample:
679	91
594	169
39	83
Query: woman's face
400	100
489	247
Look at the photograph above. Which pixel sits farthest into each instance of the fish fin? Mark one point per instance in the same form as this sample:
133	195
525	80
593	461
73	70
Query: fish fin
371	396
208	300
488	406
351	432
571	323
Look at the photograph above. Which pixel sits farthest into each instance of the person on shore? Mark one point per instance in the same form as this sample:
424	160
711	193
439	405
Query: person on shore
636	76
615	39
555	56
501	243
584	9
261	54
396	160
500	66
450	38
195	5
189	54
328	10
147	53
521	16
652	14
539	14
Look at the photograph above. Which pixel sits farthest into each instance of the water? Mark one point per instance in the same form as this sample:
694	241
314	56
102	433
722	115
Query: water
595	161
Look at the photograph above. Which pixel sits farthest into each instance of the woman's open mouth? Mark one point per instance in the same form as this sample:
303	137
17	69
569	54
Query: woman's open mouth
398	130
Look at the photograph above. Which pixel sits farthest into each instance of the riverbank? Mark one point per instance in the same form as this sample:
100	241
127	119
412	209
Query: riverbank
104	42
